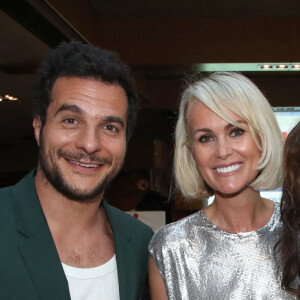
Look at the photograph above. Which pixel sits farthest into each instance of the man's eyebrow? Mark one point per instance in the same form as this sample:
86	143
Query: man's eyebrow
113	119
70	107
76	109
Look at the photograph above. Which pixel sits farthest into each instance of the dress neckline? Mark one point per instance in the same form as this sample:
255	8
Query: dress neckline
261	230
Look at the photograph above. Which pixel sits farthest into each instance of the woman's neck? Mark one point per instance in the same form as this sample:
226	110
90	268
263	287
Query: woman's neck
243	212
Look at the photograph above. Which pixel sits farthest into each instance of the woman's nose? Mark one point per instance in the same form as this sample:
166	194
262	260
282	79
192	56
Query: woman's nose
223	149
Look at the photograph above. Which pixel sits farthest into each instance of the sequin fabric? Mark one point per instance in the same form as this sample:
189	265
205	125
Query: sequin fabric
198	260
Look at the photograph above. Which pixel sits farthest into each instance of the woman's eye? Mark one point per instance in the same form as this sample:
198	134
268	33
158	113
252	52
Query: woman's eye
237	132
205	138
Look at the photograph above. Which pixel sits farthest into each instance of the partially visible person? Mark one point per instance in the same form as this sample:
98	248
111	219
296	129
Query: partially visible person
290	214
59	238
228	144
151	199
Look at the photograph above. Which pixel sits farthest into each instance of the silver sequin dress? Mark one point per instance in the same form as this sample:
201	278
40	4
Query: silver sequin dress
198	260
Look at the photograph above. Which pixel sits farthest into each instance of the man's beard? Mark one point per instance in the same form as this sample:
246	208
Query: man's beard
56	178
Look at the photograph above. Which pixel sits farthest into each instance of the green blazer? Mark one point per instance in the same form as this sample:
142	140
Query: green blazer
30	267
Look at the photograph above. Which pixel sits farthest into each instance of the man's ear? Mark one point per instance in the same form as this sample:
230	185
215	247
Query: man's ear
37	125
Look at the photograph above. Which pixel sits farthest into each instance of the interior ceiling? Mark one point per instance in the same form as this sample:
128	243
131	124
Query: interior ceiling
20	53
161	40
196	8
165	40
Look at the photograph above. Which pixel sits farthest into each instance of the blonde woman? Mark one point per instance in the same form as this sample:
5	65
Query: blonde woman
228	144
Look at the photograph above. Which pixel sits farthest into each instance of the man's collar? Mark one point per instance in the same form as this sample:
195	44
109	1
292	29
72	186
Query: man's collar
29	213
27	208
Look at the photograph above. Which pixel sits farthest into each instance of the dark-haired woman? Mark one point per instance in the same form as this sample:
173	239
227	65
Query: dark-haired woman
290	214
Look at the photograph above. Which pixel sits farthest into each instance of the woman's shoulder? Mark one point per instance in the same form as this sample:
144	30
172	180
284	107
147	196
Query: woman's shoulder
175	233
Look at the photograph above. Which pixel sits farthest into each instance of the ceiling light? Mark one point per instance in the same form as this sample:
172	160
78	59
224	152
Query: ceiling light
282	67
297	66
248	67
8	98
267	67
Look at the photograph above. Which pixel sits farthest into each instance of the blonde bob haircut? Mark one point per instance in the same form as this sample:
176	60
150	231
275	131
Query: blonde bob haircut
238	94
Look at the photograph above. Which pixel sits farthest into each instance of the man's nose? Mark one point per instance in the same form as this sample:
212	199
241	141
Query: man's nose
89	140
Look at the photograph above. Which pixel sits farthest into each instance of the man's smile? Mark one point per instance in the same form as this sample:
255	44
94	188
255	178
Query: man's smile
86	165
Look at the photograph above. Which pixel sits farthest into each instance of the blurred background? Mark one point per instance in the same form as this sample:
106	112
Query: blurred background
163	42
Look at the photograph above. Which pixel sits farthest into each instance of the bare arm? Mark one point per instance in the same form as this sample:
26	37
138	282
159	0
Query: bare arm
157	286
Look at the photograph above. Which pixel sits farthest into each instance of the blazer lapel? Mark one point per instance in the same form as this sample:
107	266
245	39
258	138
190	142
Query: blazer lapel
38	249
126	268
125	255
43	264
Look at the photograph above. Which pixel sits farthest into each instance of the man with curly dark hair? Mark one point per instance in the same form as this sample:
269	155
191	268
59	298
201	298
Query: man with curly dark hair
60	238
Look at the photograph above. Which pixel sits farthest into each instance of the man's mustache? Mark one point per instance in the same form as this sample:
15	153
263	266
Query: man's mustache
83	156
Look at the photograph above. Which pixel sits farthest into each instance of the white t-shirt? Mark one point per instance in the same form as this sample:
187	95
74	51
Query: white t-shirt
99	283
